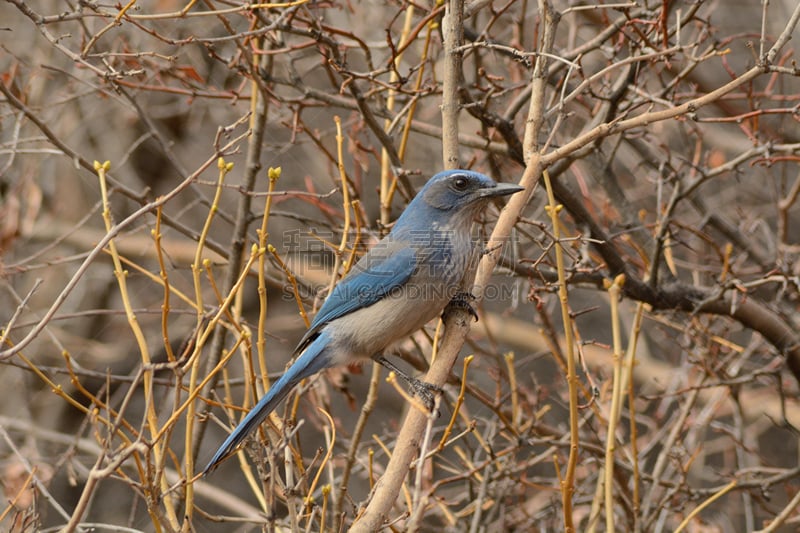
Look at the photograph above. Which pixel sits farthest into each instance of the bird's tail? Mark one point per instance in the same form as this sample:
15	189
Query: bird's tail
312	360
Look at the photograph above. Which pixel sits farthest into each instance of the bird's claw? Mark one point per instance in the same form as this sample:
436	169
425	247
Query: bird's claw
426	392
461	300
486	250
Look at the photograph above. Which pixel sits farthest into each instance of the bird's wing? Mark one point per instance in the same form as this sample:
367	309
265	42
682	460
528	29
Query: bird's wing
386	267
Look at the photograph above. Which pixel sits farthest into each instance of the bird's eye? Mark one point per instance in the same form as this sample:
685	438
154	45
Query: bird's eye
460	184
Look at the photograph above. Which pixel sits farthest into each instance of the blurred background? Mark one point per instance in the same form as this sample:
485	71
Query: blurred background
117	394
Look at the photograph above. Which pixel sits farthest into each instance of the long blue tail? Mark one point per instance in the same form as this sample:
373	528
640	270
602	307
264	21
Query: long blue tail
312	360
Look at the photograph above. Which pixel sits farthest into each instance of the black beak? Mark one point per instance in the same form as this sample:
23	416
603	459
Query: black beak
502	189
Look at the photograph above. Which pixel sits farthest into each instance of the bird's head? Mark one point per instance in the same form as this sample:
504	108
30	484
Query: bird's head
462	191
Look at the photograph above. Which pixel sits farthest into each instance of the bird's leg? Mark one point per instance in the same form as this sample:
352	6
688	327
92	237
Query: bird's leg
486	250
462	300
426	392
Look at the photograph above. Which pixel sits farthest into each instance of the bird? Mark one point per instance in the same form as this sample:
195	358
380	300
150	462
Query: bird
404	281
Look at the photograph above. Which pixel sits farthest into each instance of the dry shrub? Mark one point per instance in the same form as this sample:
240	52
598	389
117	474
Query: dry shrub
636	360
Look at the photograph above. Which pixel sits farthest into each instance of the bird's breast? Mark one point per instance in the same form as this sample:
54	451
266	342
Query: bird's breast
442	259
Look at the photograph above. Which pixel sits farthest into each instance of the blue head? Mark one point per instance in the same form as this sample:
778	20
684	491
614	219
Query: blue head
454	197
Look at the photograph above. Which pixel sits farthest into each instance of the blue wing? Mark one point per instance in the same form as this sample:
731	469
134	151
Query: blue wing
386	267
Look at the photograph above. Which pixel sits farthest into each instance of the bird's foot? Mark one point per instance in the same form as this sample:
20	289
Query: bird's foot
462	300
486	250
425	391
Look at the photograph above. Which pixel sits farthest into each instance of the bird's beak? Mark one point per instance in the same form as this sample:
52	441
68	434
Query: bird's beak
502	189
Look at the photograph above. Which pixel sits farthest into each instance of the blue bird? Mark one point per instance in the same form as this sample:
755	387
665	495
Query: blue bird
403	282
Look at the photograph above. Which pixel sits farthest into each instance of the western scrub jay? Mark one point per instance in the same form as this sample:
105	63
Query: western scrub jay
403	282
